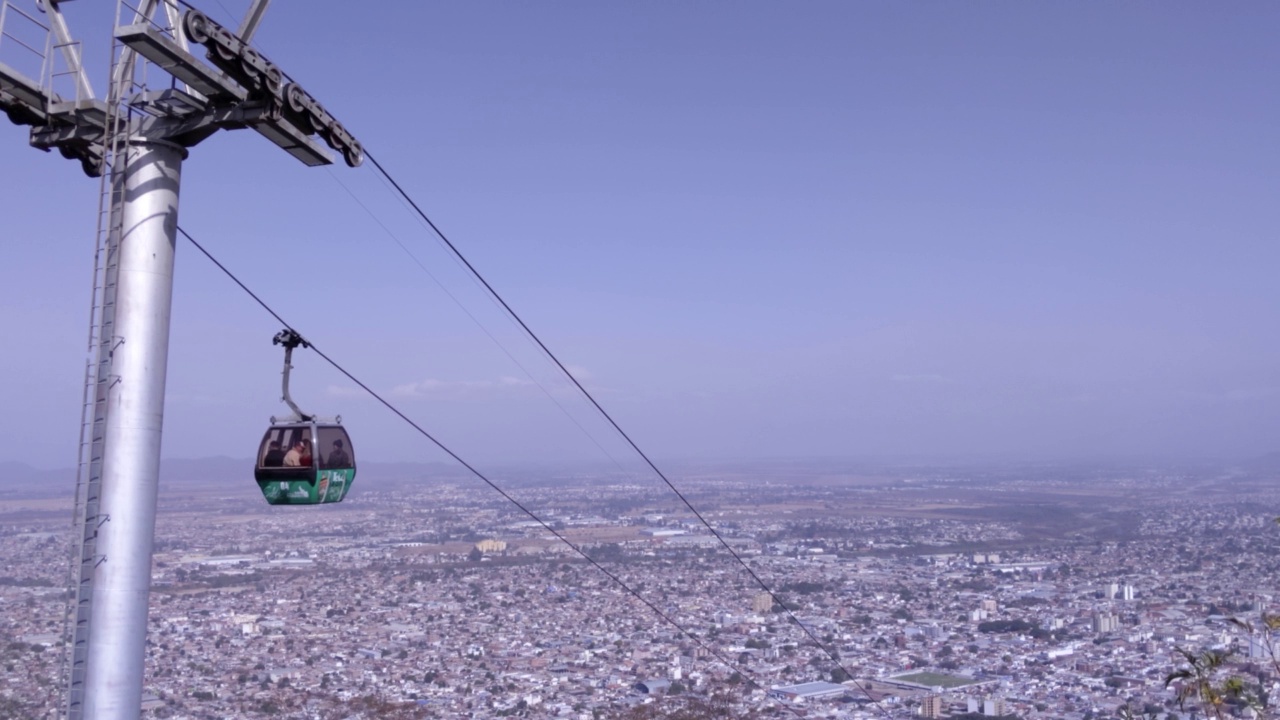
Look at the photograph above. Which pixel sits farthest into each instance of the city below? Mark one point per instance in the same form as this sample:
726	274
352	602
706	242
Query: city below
898	590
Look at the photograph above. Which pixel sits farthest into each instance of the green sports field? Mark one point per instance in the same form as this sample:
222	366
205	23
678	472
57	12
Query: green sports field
932	679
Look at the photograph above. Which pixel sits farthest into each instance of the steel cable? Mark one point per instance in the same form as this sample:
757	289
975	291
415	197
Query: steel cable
591	398
494	486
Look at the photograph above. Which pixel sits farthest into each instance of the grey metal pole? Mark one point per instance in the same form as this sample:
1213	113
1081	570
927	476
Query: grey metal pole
135	413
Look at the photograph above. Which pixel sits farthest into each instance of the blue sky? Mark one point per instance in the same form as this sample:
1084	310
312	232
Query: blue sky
755	229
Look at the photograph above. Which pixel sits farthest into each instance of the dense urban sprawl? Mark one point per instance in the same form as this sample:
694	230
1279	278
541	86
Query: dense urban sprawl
1030	592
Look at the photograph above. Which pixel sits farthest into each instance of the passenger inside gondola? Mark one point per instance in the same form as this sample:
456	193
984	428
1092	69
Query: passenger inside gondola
293	458
335	448
337	456
274	456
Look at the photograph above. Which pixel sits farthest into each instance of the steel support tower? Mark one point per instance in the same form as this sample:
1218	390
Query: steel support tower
135	140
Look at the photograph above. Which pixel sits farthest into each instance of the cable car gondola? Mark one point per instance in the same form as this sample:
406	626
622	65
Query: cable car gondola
303	459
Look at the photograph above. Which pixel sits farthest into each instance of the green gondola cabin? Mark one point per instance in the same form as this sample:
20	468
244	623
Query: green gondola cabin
305	463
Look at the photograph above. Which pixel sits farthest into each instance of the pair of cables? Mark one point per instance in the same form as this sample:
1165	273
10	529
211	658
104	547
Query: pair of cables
399	189
497	297
685	632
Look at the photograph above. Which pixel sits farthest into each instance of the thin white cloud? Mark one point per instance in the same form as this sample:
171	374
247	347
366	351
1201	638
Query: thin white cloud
1234	395
183	398
922	378
343	391
430	386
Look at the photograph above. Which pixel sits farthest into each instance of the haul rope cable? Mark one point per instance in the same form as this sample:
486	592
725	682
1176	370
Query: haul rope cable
546	526
556	360
515	316
446	291
835	658
477	322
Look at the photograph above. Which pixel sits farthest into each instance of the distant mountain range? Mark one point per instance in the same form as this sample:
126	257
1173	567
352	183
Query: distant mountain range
18	478
1264	463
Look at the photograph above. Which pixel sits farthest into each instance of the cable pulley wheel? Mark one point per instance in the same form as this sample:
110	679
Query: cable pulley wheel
353	154
196	25
273	79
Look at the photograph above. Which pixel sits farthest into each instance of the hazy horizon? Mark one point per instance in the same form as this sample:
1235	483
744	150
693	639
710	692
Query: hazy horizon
850	463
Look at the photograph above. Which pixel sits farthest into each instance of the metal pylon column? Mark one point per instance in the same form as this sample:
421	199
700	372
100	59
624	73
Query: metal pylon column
137	140
135	412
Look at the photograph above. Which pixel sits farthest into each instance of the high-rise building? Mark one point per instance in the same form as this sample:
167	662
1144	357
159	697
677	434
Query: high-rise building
1105	622
931	706
1258	647
993	707
762	603
1127	592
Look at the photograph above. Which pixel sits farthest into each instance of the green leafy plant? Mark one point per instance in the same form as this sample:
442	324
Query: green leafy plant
1205	679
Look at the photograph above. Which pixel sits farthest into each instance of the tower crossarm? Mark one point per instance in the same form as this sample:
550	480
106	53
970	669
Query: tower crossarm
260	116
244	89
75	126
22	99
167	54
238	87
